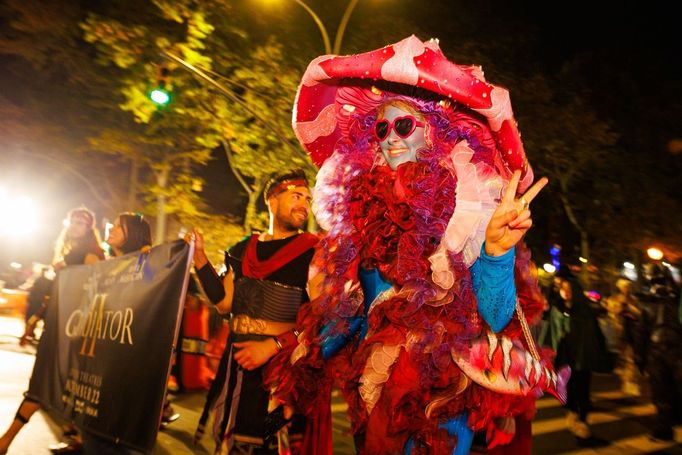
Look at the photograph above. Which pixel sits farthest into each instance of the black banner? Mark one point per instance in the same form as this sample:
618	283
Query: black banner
104	358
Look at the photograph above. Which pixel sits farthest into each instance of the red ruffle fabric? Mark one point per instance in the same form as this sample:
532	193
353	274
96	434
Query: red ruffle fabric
395	220
308	390
401	217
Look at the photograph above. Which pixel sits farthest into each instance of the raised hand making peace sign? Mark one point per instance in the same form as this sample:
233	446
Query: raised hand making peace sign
511	219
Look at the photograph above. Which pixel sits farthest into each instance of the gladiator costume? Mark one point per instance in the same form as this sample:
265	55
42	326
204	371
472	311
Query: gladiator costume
269	287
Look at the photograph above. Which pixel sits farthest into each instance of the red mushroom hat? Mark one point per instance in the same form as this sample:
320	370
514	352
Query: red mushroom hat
335	87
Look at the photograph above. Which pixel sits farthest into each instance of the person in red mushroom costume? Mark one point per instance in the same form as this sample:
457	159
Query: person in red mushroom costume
422	290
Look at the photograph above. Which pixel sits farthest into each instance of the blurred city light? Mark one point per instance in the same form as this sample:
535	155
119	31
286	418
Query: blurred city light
161	92
549	268
582	259
629	271
555	251
654	253
160	96
19	217
593	295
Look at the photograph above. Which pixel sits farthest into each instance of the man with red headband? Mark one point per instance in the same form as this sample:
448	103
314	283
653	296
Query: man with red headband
263	289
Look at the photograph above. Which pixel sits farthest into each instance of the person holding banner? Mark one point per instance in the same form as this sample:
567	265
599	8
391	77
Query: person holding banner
110	335
131	232
78	243
263	289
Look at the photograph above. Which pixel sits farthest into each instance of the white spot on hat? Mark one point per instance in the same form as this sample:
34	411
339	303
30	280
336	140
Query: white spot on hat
401	67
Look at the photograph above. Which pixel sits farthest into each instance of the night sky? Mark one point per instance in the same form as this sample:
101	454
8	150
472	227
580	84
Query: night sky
631	41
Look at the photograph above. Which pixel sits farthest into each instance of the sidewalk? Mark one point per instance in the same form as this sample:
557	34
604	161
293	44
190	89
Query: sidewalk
16	364
621	423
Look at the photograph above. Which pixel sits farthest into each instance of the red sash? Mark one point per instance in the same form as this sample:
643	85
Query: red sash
253	268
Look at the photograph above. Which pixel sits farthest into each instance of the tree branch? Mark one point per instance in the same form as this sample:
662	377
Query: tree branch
232	97
567	206
237	174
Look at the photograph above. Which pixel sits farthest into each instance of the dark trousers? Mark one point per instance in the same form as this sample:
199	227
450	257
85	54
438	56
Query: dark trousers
665	376
579	393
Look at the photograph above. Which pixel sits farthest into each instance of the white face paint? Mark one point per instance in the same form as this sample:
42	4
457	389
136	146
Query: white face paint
398	150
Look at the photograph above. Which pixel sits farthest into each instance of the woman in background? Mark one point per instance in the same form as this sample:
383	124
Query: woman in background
583	348
78	243
130	233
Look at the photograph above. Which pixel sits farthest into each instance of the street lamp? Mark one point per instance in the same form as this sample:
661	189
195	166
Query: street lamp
342	26
338	37
19	215
320	25
654	253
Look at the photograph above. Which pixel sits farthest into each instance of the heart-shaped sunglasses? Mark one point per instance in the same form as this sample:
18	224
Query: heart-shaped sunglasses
403	126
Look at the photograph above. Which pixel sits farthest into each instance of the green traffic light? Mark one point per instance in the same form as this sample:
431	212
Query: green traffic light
160	96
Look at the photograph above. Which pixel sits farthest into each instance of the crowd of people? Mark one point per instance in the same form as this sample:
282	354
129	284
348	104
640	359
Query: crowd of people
79	243
633	334
416	297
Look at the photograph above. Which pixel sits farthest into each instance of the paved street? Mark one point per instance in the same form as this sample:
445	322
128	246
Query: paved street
619	424
16	364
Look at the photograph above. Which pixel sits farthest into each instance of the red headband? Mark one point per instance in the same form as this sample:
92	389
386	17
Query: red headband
285	185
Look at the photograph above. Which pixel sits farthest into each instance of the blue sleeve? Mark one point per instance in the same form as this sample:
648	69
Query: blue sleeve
493	281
